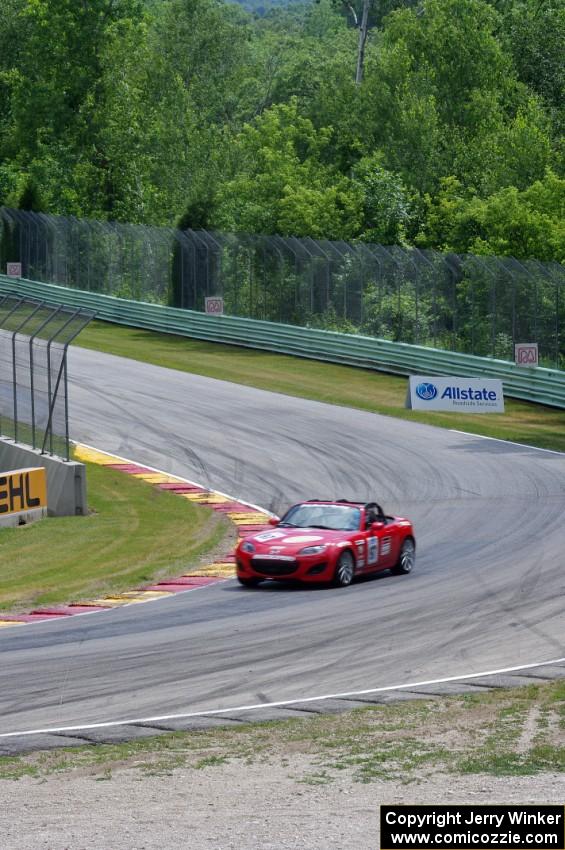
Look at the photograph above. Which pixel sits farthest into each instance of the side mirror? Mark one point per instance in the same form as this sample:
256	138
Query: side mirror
273	520
376	526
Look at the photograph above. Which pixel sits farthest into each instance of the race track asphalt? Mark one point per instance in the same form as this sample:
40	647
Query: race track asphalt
487	592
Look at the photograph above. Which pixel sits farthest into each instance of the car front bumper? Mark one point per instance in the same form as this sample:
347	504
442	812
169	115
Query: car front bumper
307	569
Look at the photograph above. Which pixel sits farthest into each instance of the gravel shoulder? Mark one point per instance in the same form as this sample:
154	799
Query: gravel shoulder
228	806
313	784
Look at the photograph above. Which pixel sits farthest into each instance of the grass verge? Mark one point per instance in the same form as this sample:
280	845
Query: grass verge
344	385
501	733
133	534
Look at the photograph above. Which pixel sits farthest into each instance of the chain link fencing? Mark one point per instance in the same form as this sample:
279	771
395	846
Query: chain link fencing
34	339
472	304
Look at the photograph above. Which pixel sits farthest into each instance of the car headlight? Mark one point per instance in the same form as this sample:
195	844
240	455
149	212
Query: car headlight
247	546
312	550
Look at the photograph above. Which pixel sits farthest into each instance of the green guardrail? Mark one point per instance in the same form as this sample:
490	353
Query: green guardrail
536	384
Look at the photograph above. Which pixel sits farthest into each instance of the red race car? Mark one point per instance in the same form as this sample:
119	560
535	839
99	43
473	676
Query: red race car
319	541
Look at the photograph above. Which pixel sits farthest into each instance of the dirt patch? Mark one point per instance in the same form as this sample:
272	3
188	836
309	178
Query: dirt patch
313	784
230	805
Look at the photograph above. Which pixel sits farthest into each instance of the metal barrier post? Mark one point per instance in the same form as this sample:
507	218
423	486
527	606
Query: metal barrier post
31	341
14	334
49	427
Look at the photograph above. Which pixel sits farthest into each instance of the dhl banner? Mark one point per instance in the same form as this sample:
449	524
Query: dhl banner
23	495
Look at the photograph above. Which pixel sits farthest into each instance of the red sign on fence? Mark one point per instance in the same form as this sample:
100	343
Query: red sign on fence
214	306
526	353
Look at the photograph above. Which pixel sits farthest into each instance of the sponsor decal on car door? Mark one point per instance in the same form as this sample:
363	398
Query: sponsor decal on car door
386	549
360	554
372	551
380	549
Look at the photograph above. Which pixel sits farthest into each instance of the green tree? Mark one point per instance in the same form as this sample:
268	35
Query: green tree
199	64
54	83
281	185
365	16
51	85
455	42
386	202
442	97
523	224
535	33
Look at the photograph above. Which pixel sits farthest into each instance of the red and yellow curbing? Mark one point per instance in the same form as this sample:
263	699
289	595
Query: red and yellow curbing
247	518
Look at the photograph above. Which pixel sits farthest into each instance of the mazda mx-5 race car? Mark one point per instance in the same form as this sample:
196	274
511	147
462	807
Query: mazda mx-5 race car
319	541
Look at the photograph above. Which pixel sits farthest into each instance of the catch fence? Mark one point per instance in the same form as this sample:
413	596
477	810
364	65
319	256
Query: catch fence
34	339
466	303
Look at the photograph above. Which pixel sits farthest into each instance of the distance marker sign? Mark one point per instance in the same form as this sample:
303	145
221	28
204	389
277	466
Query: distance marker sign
214	306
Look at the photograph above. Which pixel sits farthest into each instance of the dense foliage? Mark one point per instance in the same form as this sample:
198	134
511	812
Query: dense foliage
203	113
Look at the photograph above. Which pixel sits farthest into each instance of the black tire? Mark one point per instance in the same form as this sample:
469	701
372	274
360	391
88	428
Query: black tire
407	557
344	569
248	582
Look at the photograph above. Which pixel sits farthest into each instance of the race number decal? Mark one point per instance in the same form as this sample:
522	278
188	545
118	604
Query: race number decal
372	550
269	535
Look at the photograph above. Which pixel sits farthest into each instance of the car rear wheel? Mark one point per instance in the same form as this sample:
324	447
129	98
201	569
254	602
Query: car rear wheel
407	557
344	570
248	582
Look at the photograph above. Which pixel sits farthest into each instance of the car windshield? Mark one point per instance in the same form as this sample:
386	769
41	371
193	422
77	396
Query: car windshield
336	517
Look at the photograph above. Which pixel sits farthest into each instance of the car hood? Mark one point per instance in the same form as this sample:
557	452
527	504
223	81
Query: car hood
289	541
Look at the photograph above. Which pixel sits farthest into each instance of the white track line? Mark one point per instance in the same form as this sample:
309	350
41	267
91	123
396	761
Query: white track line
507	442
280	703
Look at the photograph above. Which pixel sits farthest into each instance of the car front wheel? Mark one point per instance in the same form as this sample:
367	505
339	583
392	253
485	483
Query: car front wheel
344	570
407	557
248	582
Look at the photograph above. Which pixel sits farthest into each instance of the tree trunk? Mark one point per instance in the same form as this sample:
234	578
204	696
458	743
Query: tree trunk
363	33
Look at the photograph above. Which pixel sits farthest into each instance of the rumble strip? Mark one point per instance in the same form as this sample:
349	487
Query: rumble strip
249	519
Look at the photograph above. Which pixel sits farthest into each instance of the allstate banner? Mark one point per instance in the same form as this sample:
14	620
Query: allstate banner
464	395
